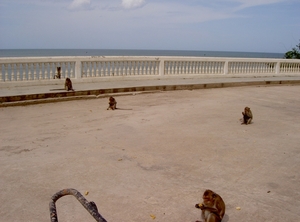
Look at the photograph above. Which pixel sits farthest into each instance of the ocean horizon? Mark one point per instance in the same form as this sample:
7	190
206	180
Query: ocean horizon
132	52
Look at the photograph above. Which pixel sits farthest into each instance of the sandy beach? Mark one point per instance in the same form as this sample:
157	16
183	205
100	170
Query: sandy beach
154	156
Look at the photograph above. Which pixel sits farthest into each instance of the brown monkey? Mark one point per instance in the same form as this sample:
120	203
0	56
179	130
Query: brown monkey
112	103
247	116
213	207
68	84
58	73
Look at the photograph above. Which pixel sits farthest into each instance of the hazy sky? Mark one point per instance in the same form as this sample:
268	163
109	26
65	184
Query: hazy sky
214	25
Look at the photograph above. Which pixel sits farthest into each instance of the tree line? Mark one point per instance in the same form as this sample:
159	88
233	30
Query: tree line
294	53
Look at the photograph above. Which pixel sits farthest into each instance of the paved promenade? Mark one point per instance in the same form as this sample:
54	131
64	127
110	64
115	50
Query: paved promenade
152	158
9	94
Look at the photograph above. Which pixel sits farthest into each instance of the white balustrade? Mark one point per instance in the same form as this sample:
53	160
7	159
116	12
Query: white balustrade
45	68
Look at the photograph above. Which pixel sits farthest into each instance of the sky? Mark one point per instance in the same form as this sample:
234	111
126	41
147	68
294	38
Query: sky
209	25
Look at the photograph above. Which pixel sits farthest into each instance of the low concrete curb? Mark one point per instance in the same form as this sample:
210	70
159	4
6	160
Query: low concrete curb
96	93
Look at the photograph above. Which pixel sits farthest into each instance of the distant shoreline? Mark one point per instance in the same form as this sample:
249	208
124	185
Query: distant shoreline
132	52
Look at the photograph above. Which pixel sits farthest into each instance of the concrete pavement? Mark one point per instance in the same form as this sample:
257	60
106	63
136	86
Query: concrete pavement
154	156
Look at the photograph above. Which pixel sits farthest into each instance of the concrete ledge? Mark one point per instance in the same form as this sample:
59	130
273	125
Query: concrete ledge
95	93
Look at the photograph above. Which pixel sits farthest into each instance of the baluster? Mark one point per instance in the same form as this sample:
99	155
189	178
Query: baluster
40	70
106	69
175	67
46	71
193	67
143	72
184	67
102	72
152	71
117	64
172	67
187	67
6	72
1	77
66	70
178	67
261	68
121	66
128	68
196	67
234	67
112	68
255	65
168	68
217	67
200	67
29	65
18	71
140	68
88	70
233	64
97	69
72	65
51	64
136	67
34	71
144	67
109	67
221	67
24	71
118	71
249	67
93	68
181	65
124	68
12	74
294	67
147	68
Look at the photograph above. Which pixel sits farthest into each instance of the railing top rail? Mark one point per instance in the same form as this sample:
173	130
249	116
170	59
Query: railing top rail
137	58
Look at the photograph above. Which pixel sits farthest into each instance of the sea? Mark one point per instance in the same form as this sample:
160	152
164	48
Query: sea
132	52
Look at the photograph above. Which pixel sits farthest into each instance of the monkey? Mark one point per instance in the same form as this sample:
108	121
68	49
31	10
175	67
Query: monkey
112	103
68	84
247	116
213	207
58	75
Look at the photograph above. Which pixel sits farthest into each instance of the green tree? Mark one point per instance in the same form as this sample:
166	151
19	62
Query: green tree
294	53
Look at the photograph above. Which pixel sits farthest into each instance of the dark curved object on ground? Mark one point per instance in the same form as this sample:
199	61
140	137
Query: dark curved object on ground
89	206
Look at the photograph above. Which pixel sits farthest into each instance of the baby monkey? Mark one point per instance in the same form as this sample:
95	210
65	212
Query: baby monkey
213	207
112	103
68	84
247	116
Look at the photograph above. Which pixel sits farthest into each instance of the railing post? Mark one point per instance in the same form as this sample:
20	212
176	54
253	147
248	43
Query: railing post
161	70
277	68
226	67
78	69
